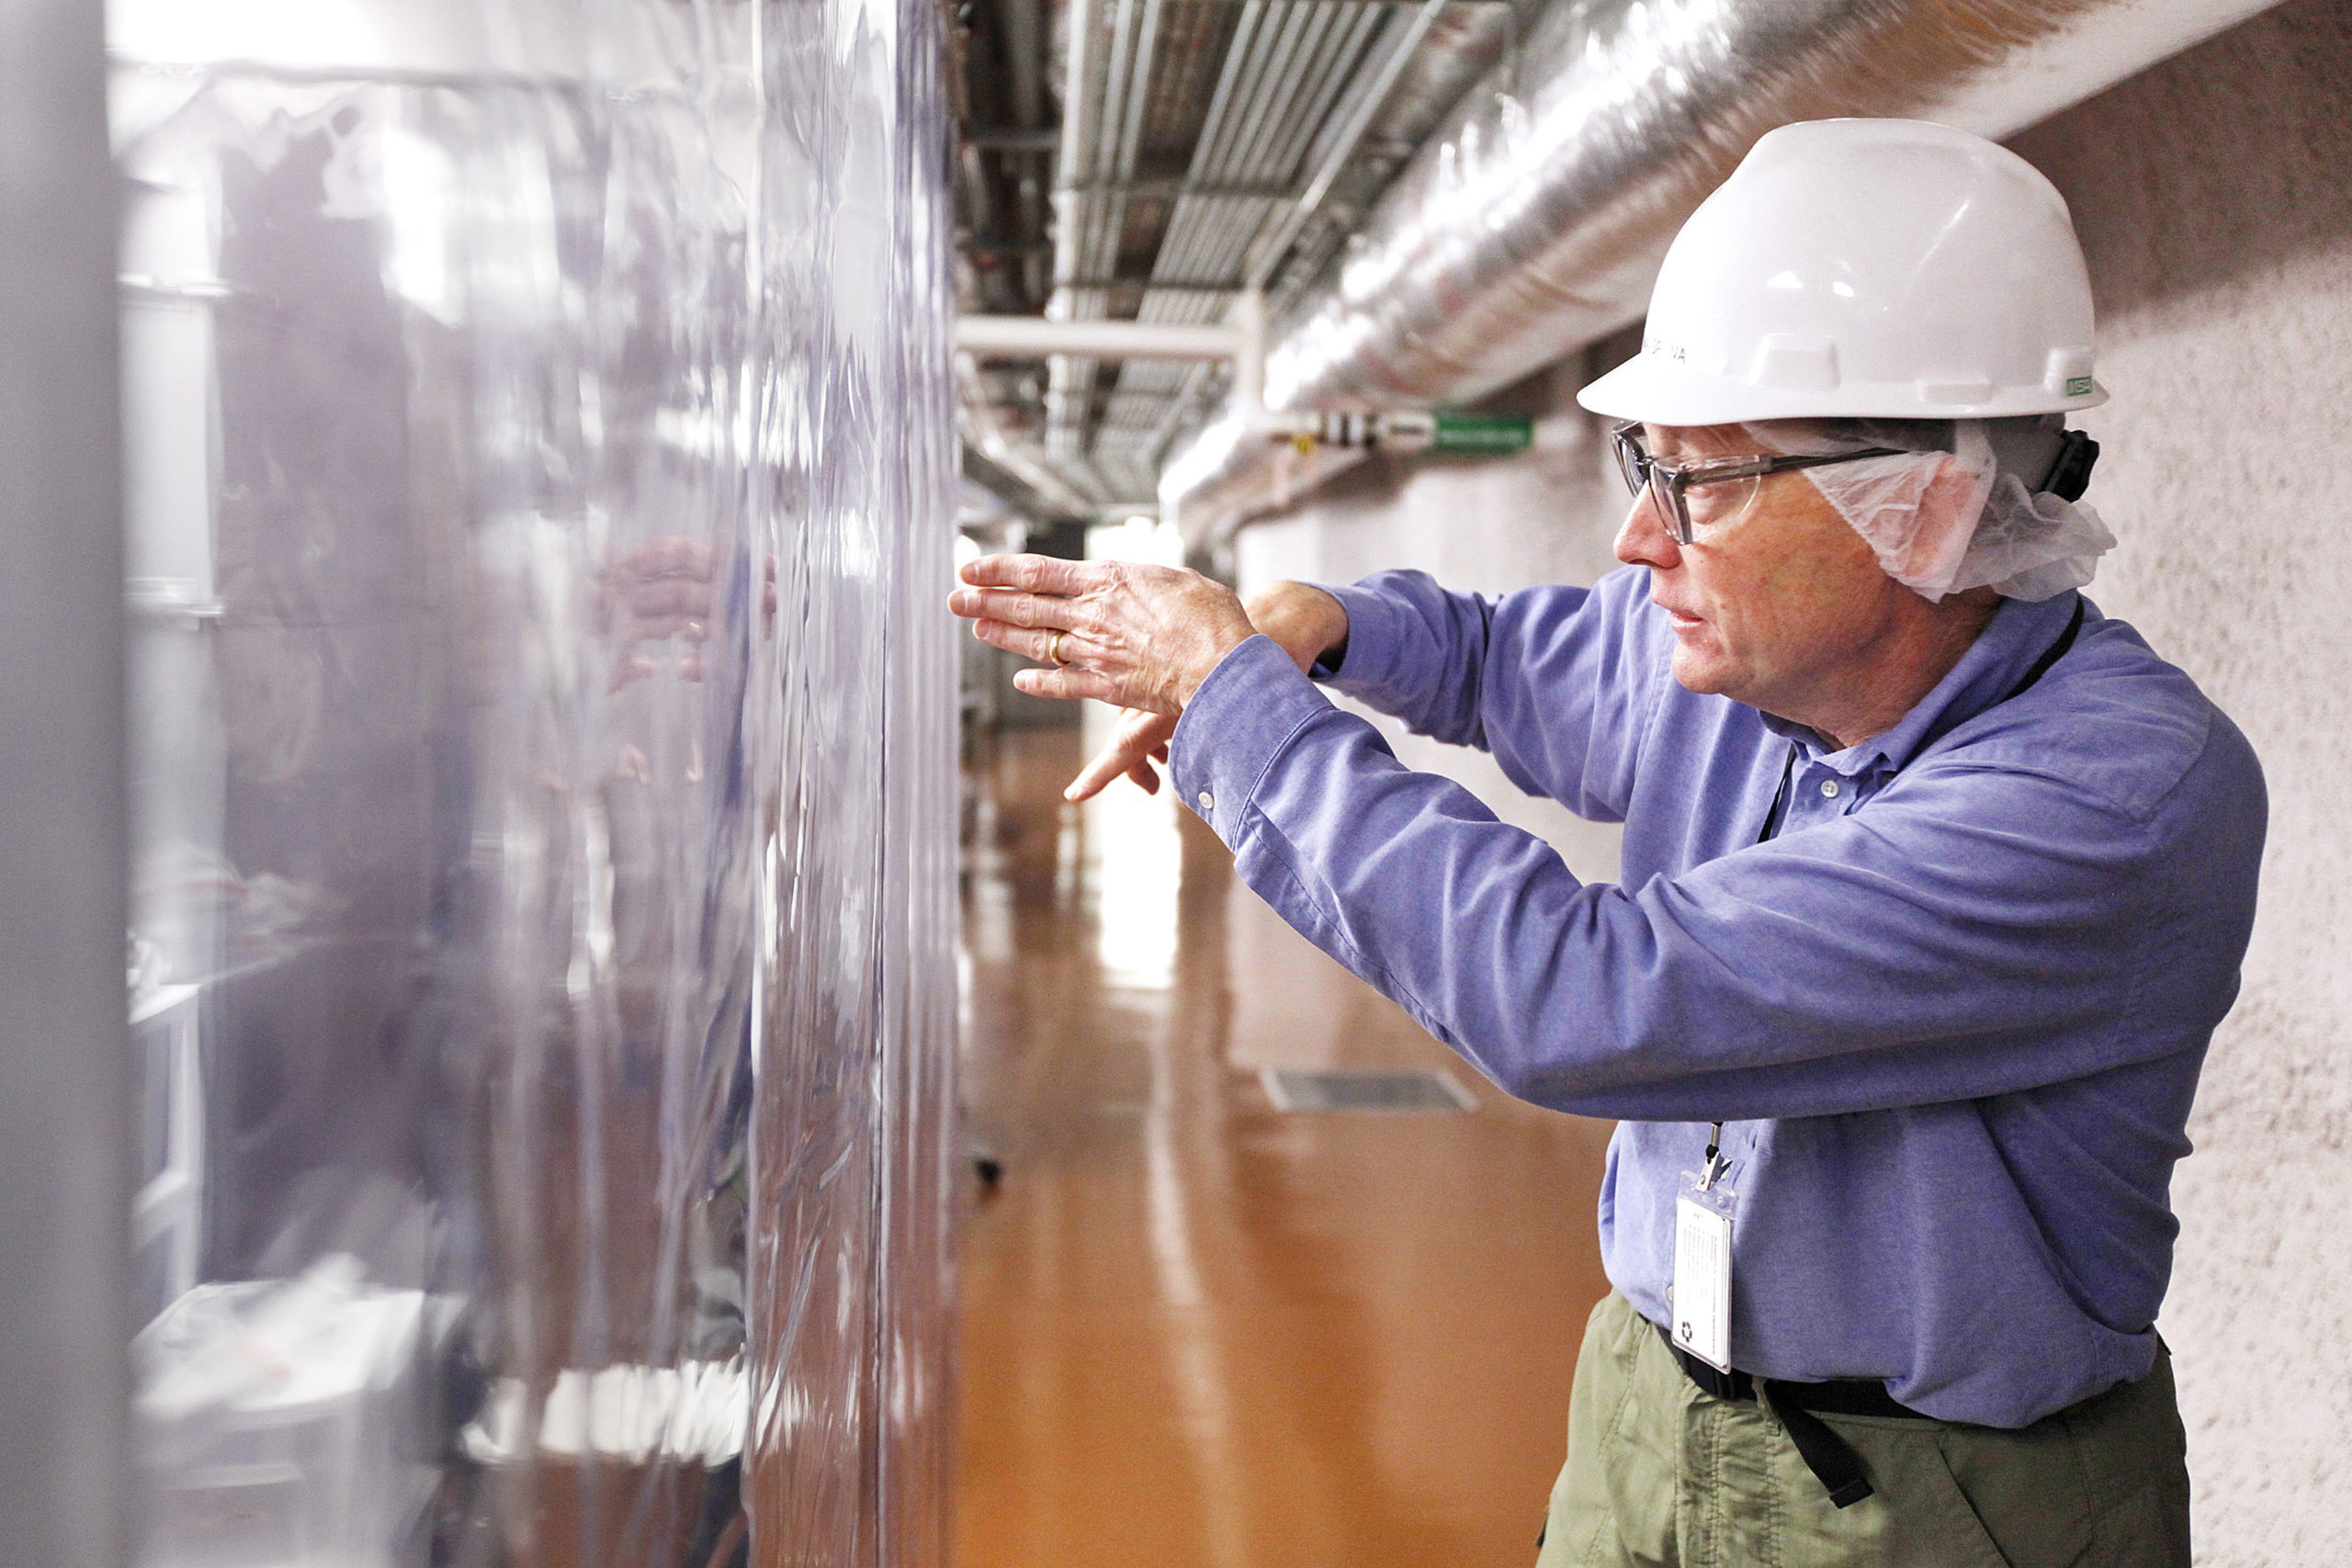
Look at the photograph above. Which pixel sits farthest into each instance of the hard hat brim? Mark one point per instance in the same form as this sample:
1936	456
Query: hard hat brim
1656	390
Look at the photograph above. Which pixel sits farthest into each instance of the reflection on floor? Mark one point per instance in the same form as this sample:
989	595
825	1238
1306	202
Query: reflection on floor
1199	1331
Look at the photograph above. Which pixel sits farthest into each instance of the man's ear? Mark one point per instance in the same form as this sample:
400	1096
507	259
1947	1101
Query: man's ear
1949	507
1951	485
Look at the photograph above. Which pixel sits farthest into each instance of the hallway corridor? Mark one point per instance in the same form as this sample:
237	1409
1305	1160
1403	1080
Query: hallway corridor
1199	1331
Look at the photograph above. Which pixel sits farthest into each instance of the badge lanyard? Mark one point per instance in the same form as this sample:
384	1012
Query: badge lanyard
1701	1295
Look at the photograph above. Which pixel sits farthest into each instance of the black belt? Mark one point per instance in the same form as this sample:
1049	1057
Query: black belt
1831	1459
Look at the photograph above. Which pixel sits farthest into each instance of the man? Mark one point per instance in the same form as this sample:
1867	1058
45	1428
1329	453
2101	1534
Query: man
1935	880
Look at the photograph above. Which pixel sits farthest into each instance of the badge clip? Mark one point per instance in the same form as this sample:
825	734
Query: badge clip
1712	1168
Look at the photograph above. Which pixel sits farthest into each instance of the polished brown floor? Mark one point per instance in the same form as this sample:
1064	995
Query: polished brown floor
1196	1330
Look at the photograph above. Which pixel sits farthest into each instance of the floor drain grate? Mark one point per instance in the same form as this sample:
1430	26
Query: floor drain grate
1416	1093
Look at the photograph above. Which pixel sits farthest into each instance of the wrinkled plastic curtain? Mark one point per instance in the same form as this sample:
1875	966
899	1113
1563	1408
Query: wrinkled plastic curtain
539	499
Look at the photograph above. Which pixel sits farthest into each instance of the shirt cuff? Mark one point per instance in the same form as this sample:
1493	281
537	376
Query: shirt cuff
1374	634
1238	722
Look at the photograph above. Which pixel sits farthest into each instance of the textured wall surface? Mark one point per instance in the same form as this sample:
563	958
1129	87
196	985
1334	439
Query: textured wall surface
2211	196
2211	199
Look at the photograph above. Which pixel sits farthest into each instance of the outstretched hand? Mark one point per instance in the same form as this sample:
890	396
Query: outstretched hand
1142	637
1134	636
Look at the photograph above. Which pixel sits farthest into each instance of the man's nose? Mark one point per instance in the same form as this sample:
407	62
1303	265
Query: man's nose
1645	540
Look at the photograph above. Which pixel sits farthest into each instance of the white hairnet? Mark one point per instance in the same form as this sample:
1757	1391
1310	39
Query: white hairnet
1946	513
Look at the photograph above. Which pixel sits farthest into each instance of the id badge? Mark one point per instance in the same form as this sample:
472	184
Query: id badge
1702	1295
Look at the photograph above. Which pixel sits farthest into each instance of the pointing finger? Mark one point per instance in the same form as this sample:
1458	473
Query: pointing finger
1141	734
1096	774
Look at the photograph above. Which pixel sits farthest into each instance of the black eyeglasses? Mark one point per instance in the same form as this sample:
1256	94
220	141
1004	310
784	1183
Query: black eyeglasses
1670	482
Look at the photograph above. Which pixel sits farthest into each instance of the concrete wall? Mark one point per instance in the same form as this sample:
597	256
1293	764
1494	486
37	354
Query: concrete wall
2213	198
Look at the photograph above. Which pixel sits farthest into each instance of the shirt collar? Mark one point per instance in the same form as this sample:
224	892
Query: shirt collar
2020	632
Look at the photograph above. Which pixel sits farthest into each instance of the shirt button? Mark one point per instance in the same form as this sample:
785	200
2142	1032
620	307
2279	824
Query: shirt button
1208	801
1829	789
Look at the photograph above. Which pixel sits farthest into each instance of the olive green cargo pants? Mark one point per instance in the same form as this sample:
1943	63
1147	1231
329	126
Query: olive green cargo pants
1659	1473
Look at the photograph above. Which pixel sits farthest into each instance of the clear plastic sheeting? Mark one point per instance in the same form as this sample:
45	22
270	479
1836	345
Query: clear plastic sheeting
540	502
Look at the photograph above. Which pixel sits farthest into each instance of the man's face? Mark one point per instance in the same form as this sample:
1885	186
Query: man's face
1777	600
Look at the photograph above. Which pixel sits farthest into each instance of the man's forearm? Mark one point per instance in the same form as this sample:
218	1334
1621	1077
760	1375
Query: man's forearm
1413	651
1309	623
1793	978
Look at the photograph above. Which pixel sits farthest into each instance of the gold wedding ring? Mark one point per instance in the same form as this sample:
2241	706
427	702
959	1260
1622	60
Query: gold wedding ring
1054	651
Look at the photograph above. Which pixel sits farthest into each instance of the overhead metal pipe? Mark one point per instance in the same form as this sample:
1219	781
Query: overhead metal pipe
1033	337
1468	38
1343	146
1024	49
1248	320
1078	106
1303	89
1533	221
1075	169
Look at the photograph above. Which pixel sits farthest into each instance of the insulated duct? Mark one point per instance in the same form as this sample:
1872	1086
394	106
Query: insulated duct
1533	222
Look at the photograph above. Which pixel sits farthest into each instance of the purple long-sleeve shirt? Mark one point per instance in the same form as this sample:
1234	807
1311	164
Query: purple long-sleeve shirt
1952	1014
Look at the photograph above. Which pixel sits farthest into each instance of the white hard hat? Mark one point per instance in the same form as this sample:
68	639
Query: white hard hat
1888	268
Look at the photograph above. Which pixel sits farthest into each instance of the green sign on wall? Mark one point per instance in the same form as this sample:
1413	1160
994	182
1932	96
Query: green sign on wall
1481	432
